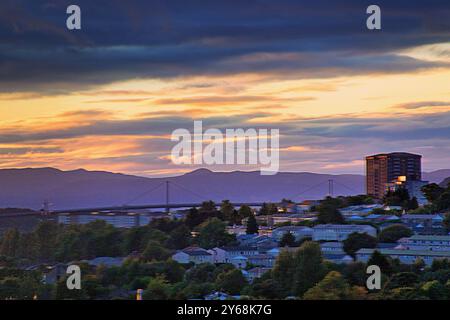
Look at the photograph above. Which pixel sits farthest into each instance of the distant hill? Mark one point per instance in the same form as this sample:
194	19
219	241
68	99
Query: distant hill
29	188
445	182
436	176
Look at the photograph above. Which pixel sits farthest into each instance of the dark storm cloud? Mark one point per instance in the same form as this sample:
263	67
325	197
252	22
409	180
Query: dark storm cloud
166	38
317	131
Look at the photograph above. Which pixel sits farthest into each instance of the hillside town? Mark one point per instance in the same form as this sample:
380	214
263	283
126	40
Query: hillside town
309	249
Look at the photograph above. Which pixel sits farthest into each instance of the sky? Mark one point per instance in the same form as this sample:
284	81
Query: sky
108	96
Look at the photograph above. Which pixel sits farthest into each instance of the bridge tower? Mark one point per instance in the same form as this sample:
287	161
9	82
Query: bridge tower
330	187
167	197
46	208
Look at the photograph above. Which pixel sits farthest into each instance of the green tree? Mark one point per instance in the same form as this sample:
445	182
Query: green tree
227	211
268	209
334	287
46	235
283	272
155	251
179	238
435	290
231	282
413	204
402	279
393	233
9	243
381	261
356	241
309	268
212	233
329	211
252	225
287	240
157	289
432	192
245	212
446	222
266	288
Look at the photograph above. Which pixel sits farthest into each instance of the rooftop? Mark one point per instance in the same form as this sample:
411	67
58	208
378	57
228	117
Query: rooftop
406	252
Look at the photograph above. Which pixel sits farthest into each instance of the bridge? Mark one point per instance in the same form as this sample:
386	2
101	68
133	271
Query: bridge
46	211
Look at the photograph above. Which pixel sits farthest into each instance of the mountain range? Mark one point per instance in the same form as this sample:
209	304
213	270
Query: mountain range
30	187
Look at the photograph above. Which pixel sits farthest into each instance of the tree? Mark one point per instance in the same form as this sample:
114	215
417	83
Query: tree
381	261
413	204
268	209
356	241
266	288
393	233
252	225
283	272
9	243
309	269
432	192
212	233
399	197
435	290
334	287
46	235
157	289
245	212
179	238
446	222
329	211
231	282
154	251
402	279
228	213
287	240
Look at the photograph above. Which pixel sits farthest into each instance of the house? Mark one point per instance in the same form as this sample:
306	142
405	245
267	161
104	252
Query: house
299	232
405	256
193	254
359	210
256	273
427	220
340	232
239	262
276	251
262	260
226	254
291	218
52	274
105	261
334	252
245	251
426	242
332	247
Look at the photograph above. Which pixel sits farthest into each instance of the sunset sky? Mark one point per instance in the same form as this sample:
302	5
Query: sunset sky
108	97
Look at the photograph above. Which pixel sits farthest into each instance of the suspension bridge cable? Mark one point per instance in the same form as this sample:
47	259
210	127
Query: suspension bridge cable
309	189
201	197
144	193
349	188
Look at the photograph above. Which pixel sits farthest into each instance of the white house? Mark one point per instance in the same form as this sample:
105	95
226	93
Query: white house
299	232
405	256
193	254
340	232
256	272
425	242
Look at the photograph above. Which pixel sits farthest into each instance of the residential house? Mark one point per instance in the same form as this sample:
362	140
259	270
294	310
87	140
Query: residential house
193	254
299	232
340	232
426	242
256	273
405	256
